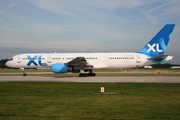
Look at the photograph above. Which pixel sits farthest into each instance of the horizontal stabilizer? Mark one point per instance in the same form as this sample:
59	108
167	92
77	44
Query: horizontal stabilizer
160	57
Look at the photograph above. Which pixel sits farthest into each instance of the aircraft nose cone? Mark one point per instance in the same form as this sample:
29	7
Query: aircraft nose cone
7	64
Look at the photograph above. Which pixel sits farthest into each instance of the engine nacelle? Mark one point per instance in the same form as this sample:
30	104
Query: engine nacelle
63	68
59	68
74	70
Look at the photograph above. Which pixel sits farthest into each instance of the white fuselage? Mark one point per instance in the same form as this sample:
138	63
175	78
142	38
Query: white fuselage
98	60
151	53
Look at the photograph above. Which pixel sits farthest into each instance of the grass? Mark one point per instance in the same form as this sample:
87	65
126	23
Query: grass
75	101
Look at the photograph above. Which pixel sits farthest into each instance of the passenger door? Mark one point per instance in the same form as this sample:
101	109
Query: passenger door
19	59
49	59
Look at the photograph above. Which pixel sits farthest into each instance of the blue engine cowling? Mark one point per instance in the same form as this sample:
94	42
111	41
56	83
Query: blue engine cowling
59	68
63	68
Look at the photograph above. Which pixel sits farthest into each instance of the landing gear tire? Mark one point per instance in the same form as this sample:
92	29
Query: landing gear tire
83	75
87	74
91	74
24	74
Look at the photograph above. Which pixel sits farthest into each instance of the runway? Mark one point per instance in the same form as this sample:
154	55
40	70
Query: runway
114	79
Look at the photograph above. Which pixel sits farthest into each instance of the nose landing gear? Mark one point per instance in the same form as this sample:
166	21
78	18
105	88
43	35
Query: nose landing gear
24	74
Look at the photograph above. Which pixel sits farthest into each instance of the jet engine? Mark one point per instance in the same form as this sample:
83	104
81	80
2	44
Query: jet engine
63	68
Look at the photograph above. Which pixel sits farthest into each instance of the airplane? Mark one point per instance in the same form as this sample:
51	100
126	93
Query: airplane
84	63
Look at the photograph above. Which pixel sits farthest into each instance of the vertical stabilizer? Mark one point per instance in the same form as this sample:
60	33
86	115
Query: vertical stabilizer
157	45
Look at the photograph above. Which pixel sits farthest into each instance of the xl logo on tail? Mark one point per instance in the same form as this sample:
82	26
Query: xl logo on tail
154	48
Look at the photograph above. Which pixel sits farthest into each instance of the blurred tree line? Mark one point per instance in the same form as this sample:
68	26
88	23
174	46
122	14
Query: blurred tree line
165	65
2	63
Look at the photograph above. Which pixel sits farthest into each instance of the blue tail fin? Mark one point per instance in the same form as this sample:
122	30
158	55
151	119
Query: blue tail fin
157	45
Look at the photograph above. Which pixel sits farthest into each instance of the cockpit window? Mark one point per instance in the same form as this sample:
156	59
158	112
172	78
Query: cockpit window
11	59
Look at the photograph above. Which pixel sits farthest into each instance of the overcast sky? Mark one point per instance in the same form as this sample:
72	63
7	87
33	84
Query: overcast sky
29	26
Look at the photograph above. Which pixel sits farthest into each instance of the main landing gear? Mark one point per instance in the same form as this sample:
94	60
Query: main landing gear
87	74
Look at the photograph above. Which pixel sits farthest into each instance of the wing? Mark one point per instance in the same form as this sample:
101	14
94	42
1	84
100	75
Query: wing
80	62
